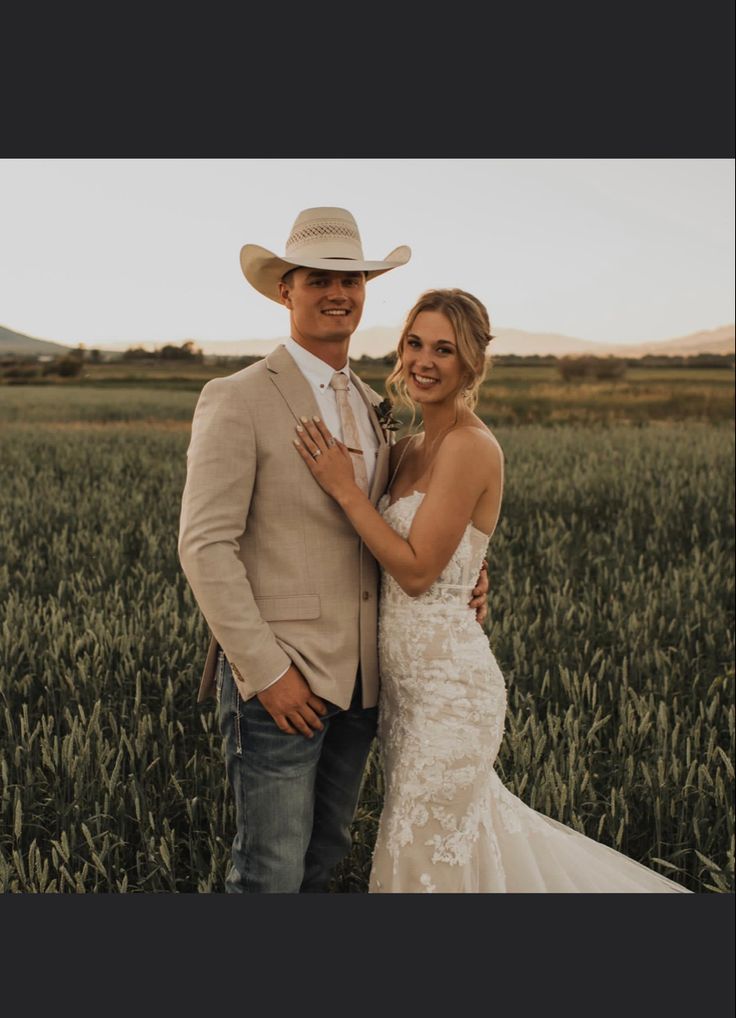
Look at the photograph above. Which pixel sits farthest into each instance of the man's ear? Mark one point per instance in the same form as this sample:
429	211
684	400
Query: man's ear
284	292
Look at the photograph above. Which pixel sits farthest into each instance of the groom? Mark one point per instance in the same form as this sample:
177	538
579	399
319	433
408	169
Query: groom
286	586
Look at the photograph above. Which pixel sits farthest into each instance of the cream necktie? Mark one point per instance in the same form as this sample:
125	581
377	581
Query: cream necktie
350	434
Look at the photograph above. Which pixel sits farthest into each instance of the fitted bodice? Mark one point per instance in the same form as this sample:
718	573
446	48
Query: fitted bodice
448	823
455	583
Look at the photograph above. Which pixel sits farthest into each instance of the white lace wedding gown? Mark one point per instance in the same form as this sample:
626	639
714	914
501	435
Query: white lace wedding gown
448	824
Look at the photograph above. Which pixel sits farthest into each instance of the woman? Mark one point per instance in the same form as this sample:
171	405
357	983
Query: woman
448	823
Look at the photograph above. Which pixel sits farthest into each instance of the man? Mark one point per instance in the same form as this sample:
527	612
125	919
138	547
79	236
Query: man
285	584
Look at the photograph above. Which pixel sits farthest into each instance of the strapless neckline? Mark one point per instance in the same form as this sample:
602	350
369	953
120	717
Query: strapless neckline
416	491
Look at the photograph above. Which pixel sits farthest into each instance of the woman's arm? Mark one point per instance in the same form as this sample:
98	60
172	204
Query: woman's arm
467	464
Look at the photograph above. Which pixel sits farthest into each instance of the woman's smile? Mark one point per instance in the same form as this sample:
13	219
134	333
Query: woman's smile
430	358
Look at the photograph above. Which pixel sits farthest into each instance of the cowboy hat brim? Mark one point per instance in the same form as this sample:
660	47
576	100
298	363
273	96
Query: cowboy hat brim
264	270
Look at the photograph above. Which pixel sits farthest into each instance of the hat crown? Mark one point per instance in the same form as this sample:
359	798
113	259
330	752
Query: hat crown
324	238
324	232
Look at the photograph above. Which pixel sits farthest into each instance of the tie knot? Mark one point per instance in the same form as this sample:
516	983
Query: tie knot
339	381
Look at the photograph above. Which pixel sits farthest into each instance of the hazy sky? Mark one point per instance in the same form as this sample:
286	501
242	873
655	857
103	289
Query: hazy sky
113	252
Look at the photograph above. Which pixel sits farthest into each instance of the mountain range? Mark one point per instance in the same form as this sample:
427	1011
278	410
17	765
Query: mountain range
379	340
17	343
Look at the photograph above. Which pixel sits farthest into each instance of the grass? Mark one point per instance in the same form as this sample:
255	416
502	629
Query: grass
611	615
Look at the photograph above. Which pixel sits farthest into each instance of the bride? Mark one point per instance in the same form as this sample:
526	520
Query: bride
448	823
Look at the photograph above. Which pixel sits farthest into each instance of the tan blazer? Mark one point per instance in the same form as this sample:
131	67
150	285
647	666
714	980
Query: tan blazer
277	570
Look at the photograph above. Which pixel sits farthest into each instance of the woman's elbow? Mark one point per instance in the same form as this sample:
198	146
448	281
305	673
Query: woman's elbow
415	586
415	579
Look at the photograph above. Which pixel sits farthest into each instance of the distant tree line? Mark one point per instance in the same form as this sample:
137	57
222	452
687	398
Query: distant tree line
608	367
188	351
614	368
573	369
701	360
23	369
17	369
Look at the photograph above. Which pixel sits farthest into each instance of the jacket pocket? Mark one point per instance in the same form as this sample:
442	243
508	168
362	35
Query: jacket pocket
288	607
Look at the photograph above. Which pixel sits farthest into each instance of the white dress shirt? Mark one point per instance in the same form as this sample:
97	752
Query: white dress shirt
318	374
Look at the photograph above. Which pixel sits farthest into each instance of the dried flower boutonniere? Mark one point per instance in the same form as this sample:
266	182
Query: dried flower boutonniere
384	412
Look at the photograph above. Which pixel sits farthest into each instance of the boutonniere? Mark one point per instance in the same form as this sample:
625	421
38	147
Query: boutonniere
384	412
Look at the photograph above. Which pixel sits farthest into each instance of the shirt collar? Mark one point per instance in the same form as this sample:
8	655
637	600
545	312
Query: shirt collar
313	369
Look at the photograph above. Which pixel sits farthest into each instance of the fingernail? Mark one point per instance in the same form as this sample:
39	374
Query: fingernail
316	419
297	443
299	427
304	420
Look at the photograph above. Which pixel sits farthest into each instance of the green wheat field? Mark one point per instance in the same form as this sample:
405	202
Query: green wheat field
611	615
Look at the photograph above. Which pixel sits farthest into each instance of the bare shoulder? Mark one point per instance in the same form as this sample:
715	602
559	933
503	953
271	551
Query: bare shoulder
473	446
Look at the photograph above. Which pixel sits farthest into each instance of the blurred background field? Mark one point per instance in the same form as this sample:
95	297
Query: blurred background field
513	393
611	615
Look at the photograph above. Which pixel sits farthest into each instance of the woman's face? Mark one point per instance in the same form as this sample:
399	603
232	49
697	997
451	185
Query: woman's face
430	359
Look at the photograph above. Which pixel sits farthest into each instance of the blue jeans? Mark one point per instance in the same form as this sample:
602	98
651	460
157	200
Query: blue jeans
295	798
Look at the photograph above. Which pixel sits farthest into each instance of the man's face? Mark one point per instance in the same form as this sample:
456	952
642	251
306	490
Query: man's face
325	306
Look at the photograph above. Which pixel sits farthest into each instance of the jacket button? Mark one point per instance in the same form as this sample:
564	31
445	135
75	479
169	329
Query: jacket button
366	595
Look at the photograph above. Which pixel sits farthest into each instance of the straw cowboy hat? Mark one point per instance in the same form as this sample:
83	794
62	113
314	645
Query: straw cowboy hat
321	238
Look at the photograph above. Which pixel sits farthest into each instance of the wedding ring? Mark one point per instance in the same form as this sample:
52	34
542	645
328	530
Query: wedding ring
316	453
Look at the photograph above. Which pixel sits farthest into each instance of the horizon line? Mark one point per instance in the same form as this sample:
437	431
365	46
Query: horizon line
113	344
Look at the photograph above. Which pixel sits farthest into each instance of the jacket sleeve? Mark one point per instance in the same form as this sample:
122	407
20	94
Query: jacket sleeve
221	473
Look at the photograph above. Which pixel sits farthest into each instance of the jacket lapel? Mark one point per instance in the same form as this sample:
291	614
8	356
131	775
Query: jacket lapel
380	473
298	396
370	399
291	383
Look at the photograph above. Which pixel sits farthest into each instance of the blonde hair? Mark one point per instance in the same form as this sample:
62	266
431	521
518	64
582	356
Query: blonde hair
472	326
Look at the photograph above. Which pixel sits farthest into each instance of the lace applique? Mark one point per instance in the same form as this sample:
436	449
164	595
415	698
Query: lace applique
443	703
448	822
